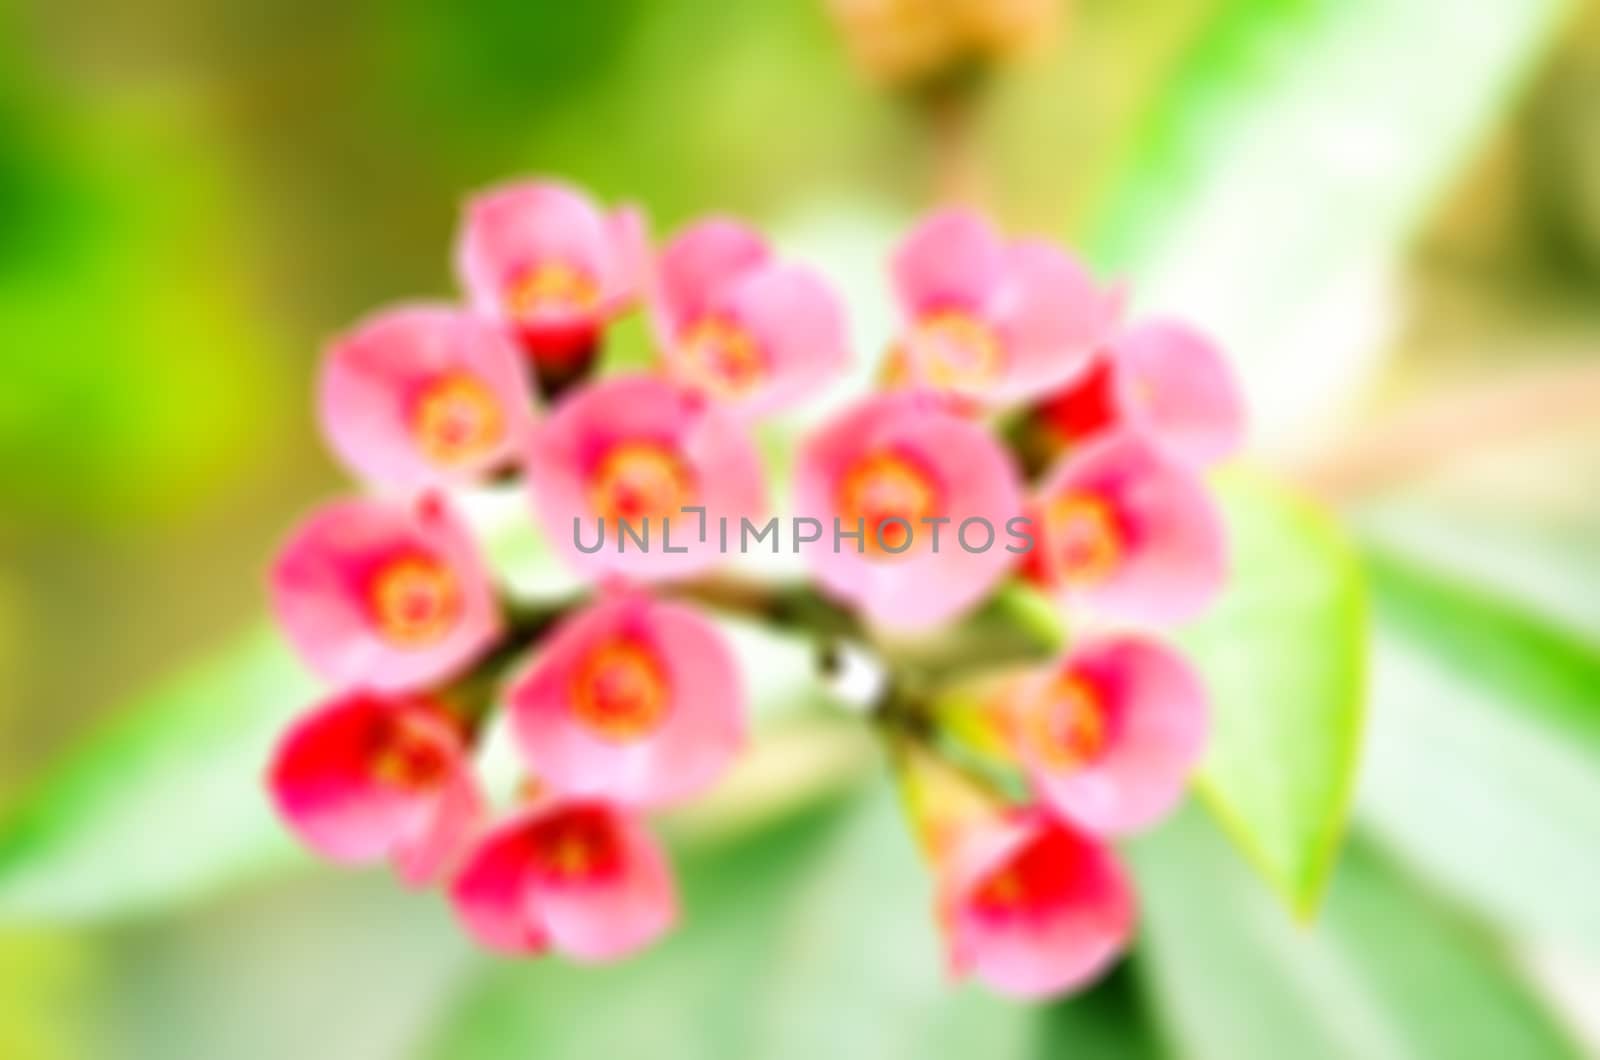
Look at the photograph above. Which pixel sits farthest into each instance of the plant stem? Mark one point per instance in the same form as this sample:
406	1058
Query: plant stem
948	114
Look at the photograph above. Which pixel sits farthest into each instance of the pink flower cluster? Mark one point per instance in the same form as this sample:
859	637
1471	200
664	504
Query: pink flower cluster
628	700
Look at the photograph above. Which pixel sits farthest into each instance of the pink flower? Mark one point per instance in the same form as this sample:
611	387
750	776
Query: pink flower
640	450
1110	735
1128	533
634	699
425	396
581	877
742	327
1033	907
365	776
1161	378
542	256
994	321
934	494
384	595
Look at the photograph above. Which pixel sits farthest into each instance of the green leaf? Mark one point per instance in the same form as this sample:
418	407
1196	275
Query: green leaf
1486	739
1283	658
815	939
1389	972
163	805
1529	665
1274	184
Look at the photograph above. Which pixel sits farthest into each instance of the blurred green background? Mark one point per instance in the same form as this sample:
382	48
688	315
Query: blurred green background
1390	209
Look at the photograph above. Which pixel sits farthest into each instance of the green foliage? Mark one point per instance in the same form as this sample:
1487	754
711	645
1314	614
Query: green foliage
1483	768
1390	971
1519	659
135	377
163	805
1283	658
1285	167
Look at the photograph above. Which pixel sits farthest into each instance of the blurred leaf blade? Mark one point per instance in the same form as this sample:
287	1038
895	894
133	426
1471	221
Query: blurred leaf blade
165	803
1486	737
1528	663
1283	656
1277	179
1389	971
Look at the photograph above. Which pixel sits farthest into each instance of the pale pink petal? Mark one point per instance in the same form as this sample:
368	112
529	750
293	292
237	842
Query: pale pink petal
975	480
701	729
700	261
321	593
1172	554
1178	386
493	893
569	447
375	379
1156	717
797	323
1050	315
520	226
612	915
953	260
630	234
432	851
1071	917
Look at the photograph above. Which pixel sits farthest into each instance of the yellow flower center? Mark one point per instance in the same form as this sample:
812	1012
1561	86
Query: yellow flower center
456	418
1065	725
416	601
1082	537
955	349
410	753
722	358
640	480
620	692
886	486
576	844
1003	890
552	289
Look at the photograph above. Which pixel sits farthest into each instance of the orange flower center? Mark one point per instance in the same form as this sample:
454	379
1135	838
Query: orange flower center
416	601
1082	538
411	753
637	481
456	419
620	692
1005	889
552	289
577	844
956	349
880	490
1065	725
723	358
